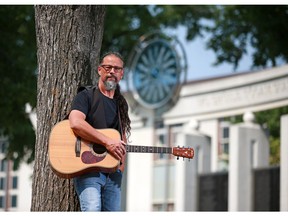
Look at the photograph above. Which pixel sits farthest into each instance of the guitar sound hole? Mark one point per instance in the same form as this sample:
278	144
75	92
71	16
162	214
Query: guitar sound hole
98	149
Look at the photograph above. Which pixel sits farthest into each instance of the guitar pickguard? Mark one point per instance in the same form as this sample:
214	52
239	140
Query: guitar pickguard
88	157
96	154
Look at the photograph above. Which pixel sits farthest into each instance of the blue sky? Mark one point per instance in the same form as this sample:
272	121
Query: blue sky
200	60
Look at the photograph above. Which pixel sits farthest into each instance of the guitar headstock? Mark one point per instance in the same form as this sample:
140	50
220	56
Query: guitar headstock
183	152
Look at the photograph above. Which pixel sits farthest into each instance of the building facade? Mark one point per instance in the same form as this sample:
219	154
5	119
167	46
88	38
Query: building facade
161	182
15	185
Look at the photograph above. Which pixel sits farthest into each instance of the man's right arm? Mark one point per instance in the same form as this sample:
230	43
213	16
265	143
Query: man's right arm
83	129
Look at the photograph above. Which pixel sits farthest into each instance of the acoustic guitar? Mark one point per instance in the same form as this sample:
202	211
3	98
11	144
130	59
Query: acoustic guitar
70	156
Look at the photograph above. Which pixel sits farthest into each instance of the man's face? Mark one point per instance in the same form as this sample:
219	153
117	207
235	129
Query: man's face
111	71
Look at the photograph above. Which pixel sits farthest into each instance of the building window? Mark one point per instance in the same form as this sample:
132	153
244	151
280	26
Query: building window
224	134
3	164
161	142
162	207
3	145
14	182
224	138
2	183
13	201
2	202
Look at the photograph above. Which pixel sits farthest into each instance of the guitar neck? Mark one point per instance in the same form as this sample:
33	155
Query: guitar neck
148	149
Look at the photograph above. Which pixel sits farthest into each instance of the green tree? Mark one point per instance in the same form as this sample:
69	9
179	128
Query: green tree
270	119
68	46
18	79
262	27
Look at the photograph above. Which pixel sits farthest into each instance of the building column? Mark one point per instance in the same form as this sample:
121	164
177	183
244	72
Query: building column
186	196
249	148
284	164
140	173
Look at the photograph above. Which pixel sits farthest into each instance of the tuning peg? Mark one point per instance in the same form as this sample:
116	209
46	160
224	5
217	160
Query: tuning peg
177	157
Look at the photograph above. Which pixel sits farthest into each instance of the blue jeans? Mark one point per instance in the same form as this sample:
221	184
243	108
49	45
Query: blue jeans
99	191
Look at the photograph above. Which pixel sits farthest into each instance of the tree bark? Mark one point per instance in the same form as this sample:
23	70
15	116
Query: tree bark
69	40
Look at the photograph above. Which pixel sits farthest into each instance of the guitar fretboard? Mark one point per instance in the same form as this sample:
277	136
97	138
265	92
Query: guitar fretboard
149	149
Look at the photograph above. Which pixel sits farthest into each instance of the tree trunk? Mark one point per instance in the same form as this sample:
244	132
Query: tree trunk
69	41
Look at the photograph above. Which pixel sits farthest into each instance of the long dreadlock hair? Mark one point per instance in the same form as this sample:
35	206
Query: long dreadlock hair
121	101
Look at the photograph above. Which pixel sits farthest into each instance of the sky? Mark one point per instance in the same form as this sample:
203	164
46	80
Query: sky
200	60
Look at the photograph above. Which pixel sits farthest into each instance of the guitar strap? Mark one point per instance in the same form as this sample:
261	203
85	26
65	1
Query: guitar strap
120	122
121	128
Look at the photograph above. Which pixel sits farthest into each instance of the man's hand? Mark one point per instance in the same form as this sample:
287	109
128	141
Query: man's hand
117	149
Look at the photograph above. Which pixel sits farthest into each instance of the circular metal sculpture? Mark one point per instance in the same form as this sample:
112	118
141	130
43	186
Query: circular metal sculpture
157	69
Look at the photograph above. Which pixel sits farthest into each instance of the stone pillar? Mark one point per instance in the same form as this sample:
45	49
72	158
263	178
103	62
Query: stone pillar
284	164
139	171
210	128
187	172
249	148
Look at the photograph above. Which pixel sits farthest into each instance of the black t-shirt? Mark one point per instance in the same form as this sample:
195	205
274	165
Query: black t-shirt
110	111
83	103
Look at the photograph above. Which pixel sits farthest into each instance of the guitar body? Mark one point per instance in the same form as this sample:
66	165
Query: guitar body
93	157
70	156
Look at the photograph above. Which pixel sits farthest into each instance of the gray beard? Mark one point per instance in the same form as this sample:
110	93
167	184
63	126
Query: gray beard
110	85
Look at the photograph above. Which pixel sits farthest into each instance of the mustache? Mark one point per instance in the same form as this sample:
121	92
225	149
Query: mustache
111	76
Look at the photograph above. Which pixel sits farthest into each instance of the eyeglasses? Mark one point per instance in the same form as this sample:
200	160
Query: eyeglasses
108	68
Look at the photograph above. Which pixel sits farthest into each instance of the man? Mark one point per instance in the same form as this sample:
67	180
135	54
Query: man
99	191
